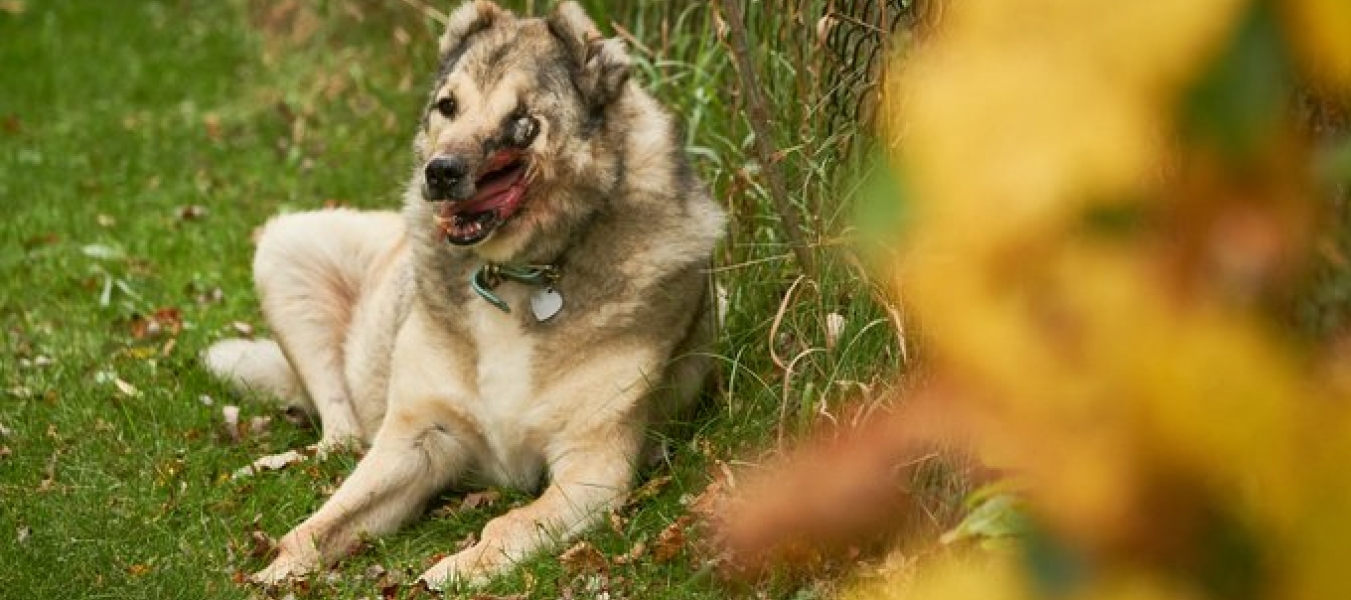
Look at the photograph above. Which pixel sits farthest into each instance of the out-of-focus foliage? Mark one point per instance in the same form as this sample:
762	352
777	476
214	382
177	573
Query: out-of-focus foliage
1108	203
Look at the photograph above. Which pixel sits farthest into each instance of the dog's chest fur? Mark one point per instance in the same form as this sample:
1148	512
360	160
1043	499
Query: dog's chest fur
508	405
469	367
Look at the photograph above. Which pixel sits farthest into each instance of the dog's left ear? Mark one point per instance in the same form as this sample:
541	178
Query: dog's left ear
603	64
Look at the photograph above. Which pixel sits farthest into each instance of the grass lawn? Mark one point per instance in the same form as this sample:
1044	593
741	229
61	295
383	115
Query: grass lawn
141	142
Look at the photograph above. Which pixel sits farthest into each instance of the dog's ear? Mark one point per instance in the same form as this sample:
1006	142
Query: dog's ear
602	64
470	18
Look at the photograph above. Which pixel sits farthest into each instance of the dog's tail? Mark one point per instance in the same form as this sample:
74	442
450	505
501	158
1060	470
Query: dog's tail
257	366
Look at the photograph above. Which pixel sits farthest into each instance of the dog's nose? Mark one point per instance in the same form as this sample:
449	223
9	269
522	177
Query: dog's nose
443	173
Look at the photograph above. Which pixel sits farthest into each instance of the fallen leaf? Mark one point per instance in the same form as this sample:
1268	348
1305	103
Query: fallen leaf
618	522
212	123
192	212
242	328
211	296
125	388
5	452
297	416
38	241
273	462
635	552
671	541
484	498
582	557
230	413
42	360
166	319
103	252
138	570
13	7
259	425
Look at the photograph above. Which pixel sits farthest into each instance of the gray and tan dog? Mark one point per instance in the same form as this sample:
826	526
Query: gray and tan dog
535	309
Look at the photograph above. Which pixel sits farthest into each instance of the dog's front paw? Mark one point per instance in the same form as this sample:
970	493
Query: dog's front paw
471	568
332	445
284	569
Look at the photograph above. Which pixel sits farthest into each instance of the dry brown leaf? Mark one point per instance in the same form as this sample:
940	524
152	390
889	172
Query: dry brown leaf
618	522
582	557
212	123
672	540
164	320
481	499
13	7
192	212
261	545
138	570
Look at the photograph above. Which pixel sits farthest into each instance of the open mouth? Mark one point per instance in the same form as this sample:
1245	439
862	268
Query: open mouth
497	196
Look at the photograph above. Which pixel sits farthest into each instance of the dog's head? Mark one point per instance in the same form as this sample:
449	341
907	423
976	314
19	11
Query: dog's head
513	117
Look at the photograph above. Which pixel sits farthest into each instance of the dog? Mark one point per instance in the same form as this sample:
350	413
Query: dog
533	312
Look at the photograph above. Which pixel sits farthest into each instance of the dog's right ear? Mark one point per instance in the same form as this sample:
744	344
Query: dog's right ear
470	18
602	64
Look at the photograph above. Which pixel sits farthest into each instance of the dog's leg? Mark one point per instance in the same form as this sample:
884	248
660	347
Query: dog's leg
412	458
588	477
311	269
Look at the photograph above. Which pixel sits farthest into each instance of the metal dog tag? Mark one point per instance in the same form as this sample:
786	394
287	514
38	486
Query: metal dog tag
545	303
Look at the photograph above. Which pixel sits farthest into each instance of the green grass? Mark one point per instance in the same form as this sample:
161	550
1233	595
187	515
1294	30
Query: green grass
114	116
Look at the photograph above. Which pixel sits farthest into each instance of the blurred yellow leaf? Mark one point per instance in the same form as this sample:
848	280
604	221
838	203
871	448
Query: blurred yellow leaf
1321	33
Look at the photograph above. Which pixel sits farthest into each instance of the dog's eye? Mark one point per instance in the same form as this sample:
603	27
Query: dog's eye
523	130
447	106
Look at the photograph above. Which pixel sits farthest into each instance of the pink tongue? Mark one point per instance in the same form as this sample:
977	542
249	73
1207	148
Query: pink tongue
492	194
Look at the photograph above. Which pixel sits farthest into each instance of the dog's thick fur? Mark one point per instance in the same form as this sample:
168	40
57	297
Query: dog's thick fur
379	334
